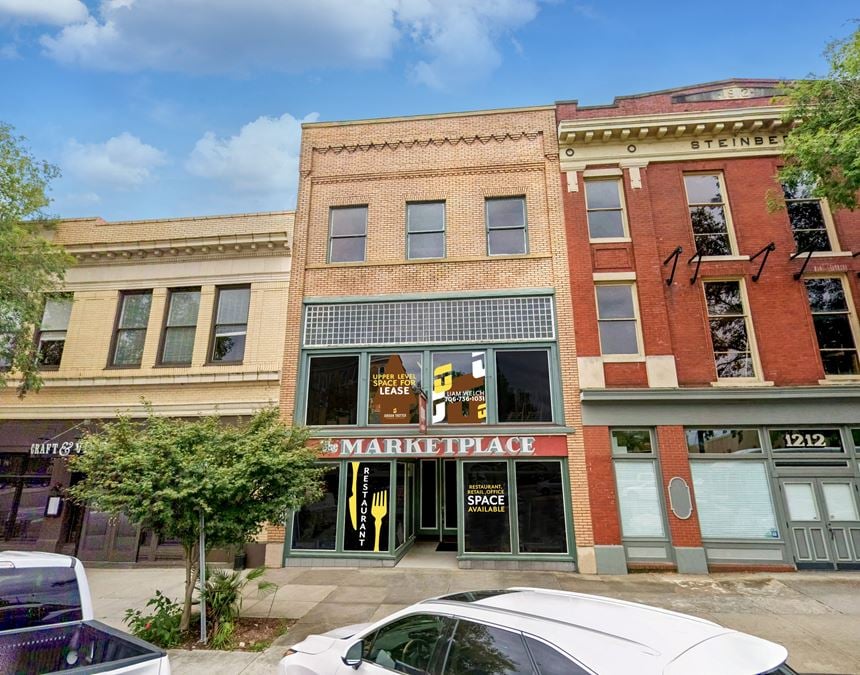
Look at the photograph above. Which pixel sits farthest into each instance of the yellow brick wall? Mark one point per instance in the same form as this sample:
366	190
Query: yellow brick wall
461	159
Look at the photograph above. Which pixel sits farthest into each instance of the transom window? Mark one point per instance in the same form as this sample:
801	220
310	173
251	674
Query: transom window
180	326
348	234
52	330
831	317
616	319
231	324
604	208
806	215
708	213
730	331
425	230
132	321
735	442
631	441
515	319
506	225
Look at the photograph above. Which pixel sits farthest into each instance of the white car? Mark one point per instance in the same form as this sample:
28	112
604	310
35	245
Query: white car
534	631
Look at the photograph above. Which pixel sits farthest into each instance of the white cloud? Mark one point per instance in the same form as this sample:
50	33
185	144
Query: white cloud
261	160
457	39
53	12
123	161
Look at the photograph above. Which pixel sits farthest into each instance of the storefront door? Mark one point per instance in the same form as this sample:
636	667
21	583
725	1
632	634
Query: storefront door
437	499
108	537
824	522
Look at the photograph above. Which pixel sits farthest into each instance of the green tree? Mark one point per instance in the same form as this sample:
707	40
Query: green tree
29	264
823	148
163	472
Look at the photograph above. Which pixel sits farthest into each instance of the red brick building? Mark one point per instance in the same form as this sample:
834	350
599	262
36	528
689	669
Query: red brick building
716	339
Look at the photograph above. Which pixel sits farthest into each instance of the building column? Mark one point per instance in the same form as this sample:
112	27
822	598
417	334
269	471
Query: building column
686	537
608	549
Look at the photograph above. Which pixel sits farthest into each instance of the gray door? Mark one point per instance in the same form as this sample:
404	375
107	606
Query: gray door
823	522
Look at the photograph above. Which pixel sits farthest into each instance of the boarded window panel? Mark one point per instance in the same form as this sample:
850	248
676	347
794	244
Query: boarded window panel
733	500
639	499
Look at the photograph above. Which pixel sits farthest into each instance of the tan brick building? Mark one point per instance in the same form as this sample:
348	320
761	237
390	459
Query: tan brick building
430	343
186	314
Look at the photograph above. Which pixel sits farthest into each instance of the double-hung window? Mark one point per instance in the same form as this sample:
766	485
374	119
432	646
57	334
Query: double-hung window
180	325
506	225
709	213
131	326
347	234
806	215
231	324
425	230
832	318
605	209
52	330
617	319
731	336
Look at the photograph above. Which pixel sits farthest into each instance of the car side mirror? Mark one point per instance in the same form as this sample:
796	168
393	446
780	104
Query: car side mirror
352	657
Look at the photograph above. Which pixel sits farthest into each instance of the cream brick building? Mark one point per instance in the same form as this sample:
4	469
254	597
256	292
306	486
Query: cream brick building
425	246
186	314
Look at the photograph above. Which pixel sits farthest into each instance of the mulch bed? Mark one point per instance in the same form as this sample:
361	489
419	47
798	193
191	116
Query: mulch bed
251	634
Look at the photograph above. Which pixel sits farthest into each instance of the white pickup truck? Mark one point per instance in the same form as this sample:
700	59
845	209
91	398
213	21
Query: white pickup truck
47	626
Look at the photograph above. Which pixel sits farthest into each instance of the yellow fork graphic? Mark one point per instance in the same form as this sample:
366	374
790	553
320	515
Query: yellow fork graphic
379	509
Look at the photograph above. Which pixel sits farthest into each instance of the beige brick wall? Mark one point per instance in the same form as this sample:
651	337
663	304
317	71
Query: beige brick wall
86	382
461	159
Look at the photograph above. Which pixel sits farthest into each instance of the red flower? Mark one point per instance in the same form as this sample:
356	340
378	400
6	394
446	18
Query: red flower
148	625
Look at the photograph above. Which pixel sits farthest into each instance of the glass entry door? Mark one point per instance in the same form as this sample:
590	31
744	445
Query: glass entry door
108	537
437	498
824	522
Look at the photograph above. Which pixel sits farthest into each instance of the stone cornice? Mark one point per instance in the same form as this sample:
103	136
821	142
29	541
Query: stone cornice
266	243
671	125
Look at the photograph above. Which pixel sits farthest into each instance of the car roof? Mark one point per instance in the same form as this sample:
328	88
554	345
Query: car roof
35	559
607	635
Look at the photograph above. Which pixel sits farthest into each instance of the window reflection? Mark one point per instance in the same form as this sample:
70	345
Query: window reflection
315	525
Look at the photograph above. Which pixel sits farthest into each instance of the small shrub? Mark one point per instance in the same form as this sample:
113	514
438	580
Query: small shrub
224	601
161	627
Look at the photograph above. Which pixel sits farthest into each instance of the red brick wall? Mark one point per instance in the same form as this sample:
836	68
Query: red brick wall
604	502
674	461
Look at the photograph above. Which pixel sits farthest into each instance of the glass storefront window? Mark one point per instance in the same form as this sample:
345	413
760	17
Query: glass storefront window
523	386
540	507
332	390
394	383
368	506
25	483
631	441
806	440
639	499
459	395
315	525
733	500
723	441
486	527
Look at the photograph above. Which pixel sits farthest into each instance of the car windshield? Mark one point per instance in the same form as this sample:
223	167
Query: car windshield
38	596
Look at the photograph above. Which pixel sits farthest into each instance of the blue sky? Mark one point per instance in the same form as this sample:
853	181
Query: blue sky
162	108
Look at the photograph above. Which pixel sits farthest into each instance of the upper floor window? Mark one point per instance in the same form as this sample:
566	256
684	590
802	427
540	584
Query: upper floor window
131	326
348	234
231	324
806	215
52	330
834	329
605	209
709	213
180	325
617	319
425	230
730	330
506	225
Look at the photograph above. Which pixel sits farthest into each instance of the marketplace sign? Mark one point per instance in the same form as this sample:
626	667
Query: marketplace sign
448	446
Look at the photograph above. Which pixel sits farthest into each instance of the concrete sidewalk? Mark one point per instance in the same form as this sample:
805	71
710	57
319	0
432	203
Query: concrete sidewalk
815	615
